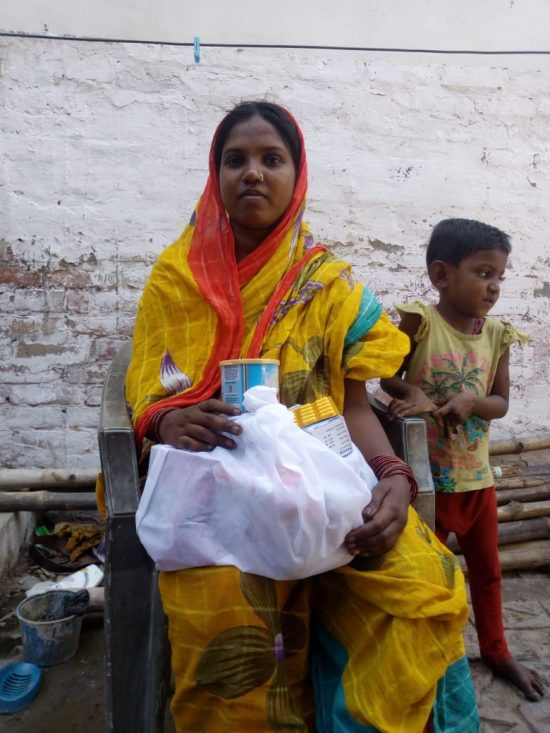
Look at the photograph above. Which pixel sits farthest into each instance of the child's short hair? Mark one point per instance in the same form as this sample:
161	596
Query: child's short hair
454	239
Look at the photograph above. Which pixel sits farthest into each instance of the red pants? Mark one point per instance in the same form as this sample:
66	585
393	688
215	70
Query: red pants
472	516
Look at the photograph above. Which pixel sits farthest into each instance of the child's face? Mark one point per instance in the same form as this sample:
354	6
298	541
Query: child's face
473	286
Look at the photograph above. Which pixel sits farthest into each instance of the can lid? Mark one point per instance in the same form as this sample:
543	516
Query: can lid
313	412
249	361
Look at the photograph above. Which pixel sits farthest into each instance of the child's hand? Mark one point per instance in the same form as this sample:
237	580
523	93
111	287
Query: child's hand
415	403
458	409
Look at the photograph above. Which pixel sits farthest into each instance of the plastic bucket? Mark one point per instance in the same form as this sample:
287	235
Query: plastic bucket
48	636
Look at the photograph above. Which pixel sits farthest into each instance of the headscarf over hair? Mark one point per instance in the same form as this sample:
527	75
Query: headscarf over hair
287	299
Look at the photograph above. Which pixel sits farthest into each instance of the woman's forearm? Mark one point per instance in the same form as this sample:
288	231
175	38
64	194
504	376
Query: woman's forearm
364	427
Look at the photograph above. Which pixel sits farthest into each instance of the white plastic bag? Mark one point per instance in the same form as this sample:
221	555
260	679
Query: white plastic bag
278	505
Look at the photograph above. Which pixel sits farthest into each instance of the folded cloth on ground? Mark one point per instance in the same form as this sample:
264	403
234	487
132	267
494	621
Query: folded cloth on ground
80	537
280	504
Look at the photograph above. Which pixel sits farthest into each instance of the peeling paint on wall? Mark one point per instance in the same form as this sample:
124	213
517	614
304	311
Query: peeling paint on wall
543	292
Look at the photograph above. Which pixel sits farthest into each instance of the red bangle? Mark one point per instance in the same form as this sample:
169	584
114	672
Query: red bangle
152	431
385	466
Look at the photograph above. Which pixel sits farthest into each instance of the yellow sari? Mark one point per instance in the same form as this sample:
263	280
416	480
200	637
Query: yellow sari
241	643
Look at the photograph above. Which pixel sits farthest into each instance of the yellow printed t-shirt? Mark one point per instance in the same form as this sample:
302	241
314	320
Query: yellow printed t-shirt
446	362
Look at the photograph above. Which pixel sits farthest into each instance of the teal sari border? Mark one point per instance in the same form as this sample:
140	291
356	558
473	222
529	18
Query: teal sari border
455	707
328	660
454	710
370	311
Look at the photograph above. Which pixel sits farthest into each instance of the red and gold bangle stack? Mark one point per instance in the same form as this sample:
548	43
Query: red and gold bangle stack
152	431
385	466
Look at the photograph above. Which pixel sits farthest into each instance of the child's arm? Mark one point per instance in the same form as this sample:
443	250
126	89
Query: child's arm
407	398
489	407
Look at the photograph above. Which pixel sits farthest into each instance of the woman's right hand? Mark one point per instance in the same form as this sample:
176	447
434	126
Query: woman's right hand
200	427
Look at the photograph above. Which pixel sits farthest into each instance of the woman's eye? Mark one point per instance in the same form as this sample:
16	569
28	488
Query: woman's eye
273	160
233	161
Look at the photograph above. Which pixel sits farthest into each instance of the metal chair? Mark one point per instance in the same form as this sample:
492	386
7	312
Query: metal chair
137	651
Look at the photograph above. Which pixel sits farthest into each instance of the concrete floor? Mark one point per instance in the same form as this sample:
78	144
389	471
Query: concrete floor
70	699
71	695
527	625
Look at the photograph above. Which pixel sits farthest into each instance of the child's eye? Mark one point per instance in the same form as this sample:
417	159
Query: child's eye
501	278
484	274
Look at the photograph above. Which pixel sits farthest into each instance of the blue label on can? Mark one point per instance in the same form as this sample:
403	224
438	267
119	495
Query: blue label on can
237	377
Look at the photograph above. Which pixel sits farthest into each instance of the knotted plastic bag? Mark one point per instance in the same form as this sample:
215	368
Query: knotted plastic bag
278	505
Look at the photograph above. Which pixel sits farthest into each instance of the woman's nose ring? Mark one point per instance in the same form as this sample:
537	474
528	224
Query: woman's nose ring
261	177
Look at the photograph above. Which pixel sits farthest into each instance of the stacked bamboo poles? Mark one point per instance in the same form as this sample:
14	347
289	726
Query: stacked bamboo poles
35	490
523	499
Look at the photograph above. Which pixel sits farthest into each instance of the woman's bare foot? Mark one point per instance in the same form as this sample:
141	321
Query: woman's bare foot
526	680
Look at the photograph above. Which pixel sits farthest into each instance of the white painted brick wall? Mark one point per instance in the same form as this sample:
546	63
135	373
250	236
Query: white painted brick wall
105	149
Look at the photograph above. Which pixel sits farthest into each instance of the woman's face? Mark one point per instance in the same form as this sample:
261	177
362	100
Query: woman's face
257	178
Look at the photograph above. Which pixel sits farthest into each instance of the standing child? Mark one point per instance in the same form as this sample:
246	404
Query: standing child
457	373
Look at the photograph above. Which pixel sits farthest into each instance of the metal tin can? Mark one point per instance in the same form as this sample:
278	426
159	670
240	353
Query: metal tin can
238	375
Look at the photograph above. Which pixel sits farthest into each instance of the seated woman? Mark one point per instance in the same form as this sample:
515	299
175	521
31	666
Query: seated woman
373	646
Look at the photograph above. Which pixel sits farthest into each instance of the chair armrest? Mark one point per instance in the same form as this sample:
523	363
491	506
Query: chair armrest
117	447
136	643
408	439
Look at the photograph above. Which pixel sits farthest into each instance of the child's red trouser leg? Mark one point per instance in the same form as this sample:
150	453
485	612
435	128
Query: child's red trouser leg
476	526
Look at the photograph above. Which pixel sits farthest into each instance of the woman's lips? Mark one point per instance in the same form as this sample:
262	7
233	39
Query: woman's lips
253	194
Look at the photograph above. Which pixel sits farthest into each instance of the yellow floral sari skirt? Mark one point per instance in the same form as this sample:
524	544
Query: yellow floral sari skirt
361	648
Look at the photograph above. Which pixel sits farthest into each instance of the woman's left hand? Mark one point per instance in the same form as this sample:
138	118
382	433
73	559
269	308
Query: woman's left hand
385	518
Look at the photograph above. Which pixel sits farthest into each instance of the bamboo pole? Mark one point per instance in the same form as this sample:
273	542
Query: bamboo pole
520	556
13	479
519	445
511	532
534	554
97	600
524	530
520	510
519	483
537	493
36	501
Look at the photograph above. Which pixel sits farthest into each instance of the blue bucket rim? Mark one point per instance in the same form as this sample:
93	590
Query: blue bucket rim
25	620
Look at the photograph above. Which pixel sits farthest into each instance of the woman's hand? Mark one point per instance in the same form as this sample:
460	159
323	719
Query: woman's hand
385	518
200	427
